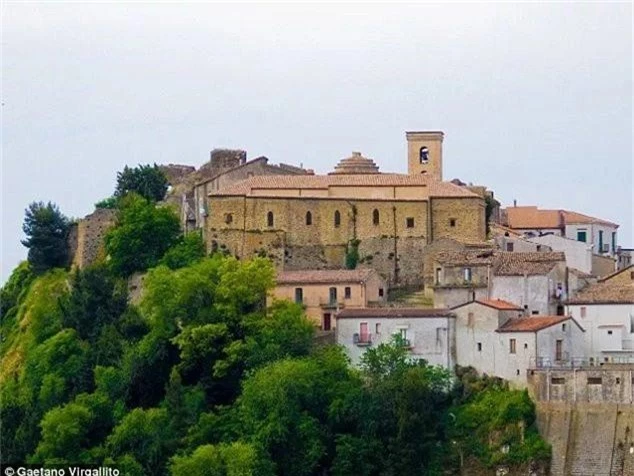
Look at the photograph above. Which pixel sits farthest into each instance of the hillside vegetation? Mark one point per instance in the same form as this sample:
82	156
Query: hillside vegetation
201	377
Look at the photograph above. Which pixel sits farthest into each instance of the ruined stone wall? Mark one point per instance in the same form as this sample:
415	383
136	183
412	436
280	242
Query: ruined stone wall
86	241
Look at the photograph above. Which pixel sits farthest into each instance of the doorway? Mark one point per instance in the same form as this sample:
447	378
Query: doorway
326	325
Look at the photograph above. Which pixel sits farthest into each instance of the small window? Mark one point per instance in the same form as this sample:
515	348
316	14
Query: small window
509	246
337	219
525	345
582	235
479	346
309	218
517	372
609	333
557	380
470	319
512	346
563	327
595	381
632	275
347	292
269	219
299	295
381	292
618	381
452	222
375	217
467	274
229	218
538	248
438	271
535	313
583	311
377	328
410	222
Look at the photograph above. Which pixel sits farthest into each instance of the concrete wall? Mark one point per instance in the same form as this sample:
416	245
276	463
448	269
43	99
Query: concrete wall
578	254
431	338
608	328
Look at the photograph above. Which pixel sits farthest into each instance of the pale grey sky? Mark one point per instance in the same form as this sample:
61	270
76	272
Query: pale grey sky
535	99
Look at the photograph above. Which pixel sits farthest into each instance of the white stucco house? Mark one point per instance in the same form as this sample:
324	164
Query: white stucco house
493	337
578	254
606	311
429	334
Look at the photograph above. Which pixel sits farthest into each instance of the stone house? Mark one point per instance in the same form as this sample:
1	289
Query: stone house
324	292
429	334
606	311
622	276
313	221
493	337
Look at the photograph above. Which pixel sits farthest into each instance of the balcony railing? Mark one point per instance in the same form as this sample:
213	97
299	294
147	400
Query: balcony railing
362	340
331	303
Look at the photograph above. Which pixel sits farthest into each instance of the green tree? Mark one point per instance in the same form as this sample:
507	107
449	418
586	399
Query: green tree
190	249
15	288
146	180
46	230
141	236
235	459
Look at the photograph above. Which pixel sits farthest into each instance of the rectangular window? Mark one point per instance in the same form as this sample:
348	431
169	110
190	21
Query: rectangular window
467	275
452	222
600	241
582	235
381	292
438	271
377	328
332	295
557	380
535	313
470	319
299	295
410	222
559	345
347	292
563	327
479	346
512	346
595	381
583	311
614	242
609	333
509	246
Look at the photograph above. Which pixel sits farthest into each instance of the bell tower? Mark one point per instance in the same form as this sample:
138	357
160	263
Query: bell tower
424	153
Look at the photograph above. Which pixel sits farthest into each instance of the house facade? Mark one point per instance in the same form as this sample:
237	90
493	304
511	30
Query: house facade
495	338
578	254
606	311
324	292
429	334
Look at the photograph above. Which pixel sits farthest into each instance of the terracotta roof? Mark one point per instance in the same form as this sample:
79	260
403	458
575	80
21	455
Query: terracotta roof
504	263
530	263
532	324
501	230
499	304
605	293
324	276
531	217
356	164
267	185
393	313
616	273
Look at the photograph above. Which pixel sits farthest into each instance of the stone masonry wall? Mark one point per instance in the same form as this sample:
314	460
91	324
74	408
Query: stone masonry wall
86	242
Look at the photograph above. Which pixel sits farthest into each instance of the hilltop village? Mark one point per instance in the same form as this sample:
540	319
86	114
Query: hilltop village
371	254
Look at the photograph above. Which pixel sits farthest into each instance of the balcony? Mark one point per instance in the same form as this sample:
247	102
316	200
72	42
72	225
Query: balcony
331	303
362	340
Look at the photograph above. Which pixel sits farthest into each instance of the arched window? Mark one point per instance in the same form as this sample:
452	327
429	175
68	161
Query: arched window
309	218
269	219
337	218
375	217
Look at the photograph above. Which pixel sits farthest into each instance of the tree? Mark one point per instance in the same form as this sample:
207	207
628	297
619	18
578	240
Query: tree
141	236
235	459
46	230
190	249
146	180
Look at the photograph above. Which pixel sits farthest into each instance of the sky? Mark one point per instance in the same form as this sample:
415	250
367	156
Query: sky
535	99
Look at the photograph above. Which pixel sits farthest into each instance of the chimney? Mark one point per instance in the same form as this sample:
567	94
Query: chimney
514	203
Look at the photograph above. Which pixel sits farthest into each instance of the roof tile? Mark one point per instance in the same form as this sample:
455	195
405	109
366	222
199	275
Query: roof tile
531	324
324	276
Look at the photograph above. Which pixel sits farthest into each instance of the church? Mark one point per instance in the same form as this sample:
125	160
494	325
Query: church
354	216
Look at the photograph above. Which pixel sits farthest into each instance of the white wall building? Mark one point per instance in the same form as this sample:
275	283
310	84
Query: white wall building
429	333
492	338
578	254
606	311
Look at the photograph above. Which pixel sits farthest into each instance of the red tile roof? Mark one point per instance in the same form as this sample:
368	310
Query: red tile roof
393	312
504	263
530	217
267	185
605	293
499	304
324	276
532	324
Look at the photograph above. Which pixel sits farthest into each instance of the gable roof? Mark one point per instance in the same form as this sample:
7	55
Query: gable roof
629	268
268	185
533	323
504	263
531	217
393	313
325	276
498	304
605	293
